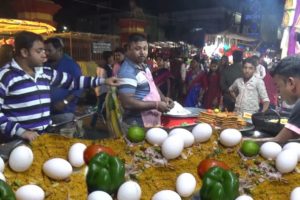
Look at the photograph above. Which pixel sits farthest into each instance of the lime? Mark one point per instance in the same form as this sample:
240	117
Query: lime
250	148
136	134
216	110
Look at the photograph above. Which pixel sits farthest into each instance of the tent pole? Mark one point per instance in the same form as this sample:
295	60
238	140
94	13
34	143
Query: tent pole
71	46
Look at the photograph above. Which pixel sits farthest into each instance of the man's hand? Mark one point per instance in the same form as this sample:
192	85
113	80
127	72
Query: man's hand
59	106
232	94
163	106
30	135
112	81
169	102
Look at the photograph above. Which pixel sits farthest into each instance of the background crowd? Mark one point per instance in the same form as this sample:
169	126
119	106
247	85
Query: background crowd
195	81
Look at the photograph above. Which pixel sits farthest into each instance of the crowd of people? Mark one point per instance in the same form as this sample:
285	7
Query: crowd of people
41	84
245	86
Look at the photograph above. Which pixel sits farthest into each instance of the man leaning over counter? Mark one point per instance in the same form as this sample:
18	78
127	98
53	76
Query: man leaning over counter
25	88
142	100
287	80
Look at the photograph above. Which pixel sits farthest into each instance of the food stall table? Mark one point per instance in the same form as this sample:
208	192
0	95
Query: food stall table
151	178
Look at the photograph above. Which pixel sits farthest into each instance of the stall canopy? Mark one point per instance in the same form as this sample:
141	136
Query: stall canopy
226	42
231	36
11	26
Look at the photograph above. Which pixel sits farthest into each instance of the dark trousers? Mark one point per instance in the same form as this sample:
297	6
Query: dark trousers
100	109
228	103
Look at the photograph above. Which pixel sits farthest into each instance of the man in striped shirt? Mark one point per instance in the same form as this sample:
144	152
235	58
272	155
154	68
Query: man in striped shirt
25	88
142	100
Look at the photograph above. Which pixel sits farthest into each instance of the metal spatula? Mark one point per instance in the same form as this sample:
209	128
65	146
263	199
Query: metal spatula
6	148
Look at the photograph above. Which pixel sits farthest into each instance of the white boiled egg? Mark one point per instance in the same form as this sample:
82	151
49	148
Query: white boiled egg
230	137
2	177
244	197
57	168
295	195
156	136
185	184
129	190
202	132
187	136
75	155
295	146
20	159
30	192
99	195
166	195
286	161
270	150
172	147
2	165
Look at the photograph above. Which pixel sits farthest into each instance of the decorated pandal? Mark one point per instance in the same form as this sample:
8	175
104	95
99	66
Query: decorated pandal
11	26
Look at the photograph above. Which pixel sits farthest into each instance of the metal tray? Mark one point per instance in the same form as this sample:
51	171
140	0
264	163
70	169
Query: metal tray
249	127
194	113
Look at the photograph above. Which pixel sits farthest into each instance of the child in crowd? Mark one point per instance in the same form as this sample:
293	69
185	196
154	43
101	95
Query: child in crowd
213	94
249	90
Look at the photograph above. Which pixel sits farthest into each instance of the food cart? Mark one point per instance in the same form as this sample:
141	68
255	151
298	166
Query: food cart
146	164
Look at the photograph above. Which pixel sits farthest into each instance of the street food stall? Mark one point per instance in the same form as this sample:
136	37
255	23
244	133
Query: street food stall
166	162
170	49
11	26
225	43
8	27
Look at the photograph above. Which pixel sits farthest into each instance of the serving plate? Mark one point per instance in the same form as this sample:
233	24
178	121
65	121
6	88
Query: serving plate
194	113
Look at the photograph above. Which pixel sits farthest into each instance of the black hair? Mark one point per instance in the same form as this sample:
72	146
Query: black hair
120	50
214	61
237	56
255	59
249	60
197	59
25	40
224	56
136	37
56	42
287	67
125	47
6	54
106	55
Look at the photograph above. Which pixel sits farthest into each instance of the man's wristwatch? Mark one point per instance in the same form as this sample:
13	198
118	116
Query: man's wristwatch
65	102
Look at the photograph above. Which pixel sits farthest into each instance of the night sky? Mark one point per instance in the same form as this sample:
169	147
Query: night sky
78	8
74	9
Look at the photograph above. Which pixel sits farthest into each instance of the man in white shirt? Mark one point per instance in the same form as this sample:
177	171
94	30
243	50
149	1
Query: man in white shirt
249	90
260	69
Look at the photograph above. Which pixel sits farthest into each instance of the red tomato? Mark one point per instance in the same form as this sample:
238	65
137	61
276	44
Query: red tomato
92	150
205	165
209	111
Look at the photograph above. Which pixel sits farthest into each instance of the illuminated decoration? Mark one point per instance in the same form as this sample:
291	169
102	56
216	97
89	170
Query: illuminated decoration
9	41
225	43
11	26
36	10
129	26
291	25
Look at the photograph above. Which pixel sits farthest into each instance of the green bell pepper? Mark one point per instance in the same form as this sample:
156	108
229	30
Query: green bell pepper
219	184
105	173
6	192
